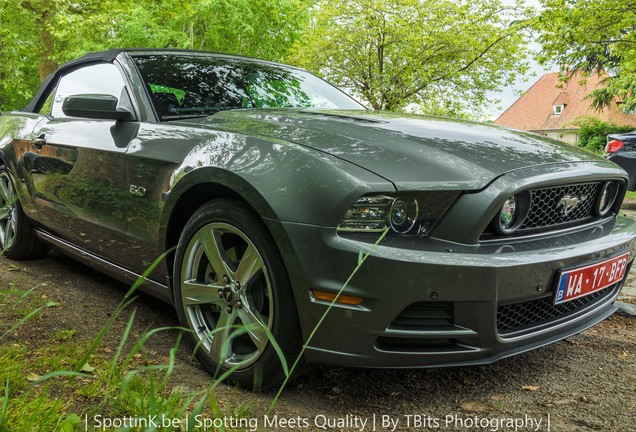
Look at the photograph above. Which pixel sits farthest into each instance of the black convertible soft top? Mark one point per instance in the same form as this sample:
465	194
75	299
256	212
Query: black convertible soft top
108	57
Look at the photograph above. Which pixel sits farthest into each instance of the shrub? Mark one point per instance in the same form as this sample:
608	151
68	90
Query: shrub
593	132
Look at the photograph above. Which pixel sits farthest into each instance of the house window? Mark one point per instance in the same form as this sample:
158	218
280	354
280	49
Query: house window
557	109
631	110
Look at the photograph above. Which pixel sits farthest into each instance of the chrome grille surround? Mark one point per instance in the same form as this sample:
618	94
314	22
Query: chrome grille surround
553	208
561	206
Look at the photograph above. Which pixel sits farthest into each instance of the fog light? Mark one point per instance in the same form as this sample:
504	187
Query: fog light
607	197
508	214
513	213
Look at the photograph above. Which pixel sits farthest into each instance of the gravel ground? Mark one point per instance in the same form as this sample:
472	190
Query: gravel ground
585	383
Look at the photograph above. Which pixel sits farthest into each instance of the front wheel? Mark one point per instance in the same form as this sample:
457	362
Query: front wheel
233	293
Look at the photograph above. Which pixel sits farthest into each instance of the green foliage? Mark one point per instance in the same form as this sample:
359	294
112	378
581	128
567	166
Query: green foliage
440	55
593	132
18	72
259	28
38	35
592	36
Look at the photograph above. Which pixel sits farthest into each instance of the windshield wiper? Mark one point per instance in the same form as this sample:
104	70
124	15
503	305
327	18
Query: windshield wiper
184	116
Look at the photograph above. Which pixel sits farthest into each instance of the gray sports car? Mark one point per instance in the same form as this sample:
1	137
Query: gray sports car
268	186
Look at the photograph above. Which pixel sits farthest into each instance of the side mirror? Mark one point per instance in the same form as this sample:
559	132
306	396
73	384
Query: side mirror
95	106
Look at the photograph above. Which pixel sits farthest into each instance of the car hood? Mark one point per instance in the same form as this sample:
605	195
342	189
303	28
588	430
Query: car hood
411	151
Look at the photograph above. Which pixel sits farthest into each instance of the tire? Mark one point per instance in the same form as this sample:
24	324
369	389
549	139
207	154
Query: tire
230	283
17	239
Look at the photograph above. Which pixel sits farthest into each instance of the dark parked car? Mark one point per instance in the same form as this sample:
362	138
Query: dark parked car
621	149
268	185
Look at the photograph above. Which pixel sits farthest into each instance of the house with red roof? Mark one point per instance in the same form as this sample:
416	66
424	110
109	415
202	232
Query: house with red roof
550	106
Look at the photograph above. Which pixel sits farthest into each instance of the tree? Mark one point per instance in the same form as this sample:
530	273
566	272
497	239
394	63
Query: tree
18	48
441	55
259	28
38	35
593	36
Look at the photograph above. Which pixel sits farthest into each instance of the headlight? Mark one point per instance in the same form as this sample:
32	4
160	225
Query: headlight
513	213
369	214
409	213
606	198
403	215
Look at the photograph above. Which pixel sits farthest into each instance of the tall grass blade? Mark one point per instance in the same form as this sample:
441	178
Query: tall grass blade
57	374
22	321
171	361
279	351
5	403
126	301
122	342
324	315
197	410
147	272
140	343
22	297
123	305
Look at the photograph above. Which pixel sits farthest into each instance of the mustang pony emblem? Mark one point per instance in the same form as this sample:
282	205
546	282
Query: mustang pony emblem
568	203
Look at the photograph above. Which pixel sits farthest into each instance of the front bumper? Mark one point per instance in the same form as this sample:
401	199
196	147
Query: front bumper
431	303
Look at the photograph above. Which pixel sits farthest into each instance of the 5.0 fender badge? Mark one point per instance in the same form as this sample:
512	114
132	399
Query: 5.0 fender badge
137	190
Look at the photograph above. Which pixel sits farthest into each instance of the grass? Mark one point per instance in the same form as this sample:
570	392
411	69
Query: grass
44	385
47	389
630	195
25	405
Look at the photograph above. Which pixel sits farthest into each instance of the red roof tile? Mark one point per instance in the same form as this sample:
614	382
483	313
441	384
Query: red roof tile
533	110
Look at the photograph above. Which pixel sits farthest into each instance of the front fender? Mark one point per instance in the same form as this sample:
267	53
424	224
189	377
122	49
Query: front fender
281	181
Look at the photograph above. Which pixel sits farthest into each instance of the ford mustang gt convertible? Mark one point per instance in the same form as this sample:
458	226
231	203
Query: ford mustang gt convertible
267	188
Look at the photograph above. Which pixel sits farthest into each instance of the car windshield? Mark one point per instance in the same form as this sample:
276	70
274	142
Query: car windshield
183	86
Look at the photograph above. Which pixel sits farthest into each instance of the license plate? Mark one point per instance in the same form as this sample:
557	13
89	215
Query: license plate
583	281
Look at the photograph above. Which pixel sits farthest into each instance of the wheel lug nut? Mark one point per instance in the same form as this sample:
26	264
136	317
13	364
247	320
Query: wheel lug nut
228	309
220	293
226	279
239	304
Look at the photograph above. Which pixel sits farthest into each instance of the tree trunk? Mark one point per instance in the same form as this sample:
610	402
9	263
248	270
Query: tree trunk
44	16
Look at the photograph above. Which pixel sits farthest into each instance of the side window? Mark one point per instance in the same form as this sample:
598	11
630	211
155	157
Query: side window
46	107
103	78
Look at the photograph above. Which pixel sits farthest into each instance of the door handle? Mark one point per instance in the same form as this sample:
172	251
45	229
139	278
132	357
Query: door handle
39	142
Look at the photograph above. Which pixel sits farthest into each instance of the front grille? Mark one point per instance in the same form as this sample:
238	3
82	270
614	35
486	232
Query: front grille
548	210
552	208
525	316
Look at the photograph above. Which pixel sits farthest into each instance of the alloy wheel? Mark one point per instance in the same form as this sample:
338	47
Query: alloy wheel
226	295
8	212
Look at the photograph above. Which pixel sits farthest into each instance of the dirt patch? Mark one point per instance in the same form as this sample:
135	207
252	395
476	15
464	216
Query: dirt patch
584	383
